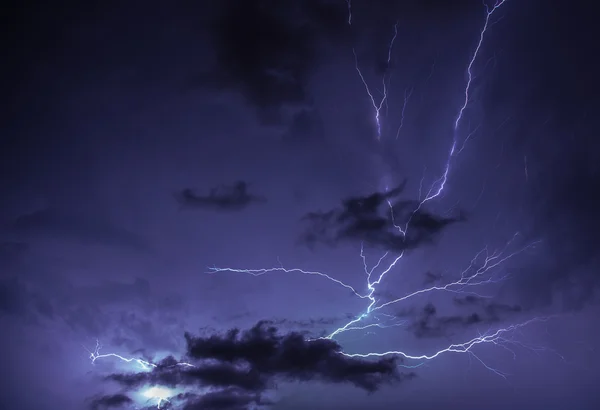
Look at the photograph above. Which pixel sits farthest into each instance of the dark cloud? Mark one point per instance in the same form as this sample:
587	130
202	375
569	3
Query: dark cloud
218	375
311	322
267	51
374	220
96	123
494	311
74	225
226	399
428	324
240	365
310	326
223	198
431	277
469	300
498	311
291	357
110	401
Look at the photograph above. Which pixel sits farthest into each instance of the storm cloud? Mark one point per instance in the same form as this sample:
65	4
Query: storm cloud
223	198
242	365
267	52
378	221
143	142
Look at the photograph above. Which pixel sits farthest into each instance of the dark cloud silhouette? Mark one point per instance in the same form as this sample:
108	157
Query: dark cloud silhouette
291	357
498	311
227	399
241	365
431	278
427	323
469	300
110	401
267	50
374	220
310	323
493	310
312	326
223	198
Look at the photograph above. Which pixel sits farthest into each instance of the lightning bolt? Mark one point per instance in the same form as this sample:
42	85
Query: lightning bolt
470	277
439	184
407	94
501	337
484	268
159	393
488	16
377	105
95	355
349	4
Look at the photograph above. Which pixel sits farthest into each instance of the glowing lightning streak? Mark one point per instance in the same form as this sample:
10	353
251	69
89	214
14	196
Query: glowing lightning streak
435	192
440	183
466	279
260	272
407	95
469	136
95	355
497	337
469	277
158	393
489	13
349	3
377	106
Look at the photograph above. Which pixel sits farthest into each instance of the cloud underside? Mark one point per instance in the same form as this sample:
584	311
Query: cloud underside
234	369
378	220
222	198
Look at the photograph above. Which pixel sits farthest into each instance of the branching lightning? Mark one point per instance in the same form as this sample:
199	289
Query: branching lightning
377	105
437	187
95	355
158	393
500	337
485	268
488	16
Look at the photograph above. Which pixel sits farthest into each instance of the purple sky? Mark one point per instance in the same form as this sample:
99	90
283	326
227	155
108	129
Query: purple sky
127	128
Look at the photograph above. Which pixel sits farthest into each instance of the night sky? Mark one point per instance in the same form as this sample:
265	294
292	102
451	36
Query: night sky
299	204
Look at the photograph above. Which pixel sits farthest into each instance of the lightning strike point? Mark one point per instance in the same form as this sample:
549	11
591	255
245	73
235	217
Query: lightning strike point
158	393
